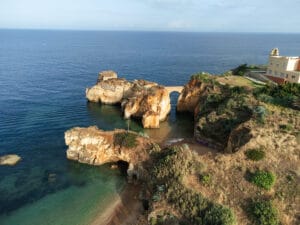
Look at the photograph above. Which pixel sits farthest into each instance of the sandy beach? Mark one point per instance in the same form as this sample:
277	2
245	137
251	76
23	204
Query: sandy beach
123	210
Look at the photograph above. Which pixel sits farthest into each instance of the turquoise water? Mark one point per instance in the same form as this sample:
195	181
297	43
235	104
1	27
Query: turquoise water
77	204
43	76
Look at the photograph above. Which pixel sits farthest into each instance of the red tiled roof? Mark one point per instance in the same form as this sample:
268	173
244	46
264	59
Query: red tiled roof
277	80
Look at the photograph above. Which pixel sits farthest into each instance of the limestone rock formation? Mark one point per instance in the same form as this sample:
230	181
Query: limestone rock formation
220	112
142	99
9	160
109	91
152	104
96	147
191	93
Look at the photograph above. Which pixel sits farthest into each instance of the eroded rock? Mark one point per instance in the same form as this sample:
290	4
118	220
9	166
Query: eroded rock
97	147
140	98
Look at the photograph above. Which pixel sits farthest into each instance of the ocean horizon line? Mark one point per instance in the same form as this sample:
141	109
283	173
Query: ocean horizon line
147	31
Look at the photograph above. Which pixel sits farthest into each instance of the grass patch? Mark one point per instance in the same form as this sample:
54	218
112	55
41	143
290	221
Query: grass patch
125	139
263	212
255	154
263	179
205	178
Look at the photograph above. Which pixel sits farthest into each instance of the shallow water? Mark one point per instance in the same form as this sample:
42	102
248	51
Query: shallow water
43	76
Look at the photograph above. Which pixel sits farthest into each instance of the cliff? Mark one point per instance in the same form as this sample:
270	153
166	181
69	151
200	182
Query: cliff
221	112
141	99
193	90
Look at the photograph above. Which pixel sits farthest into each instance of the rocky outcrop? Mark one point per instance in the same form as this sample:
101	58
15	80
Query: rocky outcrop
220	112
142	99
152	104
108	91
9	160
97	147
192	91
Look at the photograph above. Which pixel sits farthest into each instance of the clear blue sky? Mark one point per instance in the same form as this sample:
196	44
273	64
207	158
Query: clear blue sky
159	15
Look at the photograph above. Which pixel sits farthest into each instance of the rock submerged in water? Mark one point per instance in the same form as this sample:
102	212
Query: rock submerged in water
140	98
9	160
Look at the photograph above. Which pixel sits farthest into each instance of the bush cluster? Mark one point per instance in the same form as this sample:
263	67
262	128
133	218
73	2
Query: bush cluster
125	139
287	95
255	154
205	178
263	212
260	113
263	179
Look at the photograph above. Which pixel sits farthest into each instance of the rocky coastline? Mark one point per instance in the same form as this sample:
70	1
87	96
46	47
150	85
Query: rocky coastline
181	183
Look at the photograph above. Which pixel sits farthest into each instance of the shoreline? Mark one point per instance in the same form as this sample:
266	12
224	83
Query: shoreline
124	208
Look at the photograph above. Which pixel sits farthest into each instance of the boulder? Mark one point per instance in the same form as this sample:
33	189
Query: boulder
9	160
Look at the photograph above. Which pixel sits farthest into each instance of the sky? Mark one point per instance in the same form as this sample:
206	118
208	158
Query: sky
153	15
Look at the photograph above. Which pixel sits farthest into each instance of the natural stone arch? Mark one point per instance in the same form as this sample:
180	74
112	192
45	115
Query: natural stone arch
172	89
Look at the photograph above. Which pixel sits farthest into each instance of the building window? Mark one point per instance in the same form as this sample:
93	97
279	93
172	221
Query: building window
282	75
270	71
276	74
293	77
287	76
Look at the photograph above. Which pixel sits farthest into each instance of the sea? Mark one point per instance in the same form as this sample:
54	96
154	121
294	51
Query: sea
43	77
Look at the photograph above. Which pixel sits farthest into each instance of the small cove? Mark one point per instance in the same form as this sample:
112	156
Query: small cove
43	78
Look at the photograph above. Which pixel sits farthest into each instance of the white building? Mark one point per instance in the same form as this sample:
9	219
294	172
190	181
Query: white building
282	69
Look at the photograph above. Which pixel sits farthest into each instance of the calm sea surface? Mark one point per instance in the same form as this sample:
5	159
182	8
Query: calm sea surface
43	76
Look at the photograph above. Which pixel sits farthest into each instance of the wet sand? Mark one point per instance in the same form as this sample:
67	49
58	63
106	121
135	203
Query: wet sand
124	209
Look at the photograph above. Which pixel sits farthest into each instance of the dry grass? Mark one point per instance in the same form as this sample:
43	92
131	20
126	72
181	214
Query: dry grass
236	81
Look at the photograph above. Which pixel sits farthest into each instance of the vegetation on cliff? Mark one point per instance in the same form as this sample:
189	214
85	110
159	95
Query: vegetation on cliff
125	139
260	125
242	69
286	95
262	179
263	212
172	165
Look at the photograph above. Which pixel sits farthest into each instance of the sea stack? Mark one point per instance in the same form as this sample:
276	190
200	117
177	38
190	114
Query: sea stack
140	98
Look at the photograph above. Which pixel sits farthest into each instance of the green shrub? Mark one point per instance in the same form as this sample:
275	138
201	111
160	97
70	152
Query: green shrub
255	154
286	127
260	114
218	215
204	77
125	139
264	213
205	178
263	179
